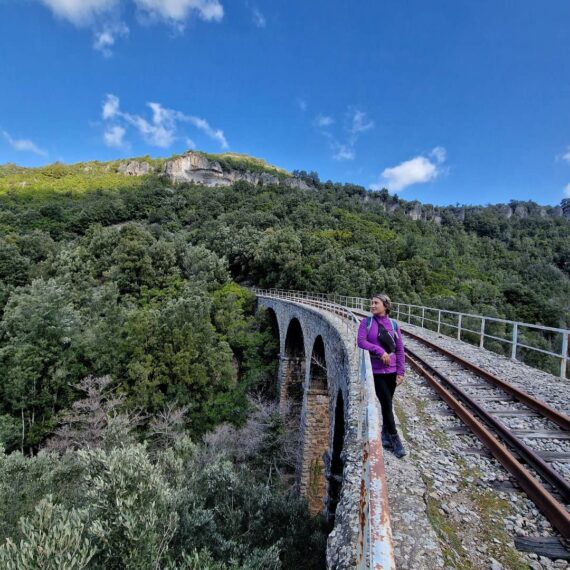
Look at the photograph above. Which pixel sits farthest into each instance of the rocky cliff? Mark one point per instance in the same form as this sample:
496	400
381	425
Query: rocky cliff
197	168
426	212
230	168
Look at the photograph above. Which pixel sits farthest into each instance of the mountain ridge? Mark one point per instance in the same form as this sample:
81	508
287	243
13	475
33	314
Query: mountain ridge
225	169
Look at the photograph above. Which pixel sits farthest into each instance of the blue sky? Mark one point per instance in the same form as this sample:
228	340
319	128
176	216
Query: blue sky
444	101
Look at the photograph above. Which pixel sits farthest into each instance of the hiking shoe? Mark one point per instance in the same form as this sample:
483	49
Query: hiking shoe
386	441
398	447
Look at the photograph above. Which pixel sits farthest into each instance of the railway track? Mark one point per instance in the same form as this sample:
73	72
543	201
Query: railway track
510	423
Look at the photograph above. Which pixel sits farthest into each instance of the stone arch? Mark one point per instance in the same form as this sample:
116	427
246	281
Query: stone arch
270	389
273	321
293	367
336	466
318	372
316	424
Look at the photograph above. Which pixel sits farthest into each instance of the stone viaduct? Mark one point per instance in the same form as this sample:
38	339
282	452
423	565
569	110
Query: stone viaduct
320	377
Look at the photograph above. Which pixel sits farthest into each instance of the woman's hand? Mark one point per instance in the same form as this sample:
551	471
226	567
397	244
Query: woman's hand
386	359
399	380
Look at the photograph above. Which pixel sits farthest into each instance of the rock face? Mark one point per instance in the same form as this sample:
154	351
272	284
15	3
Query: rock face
196	168
415	212
426	212
135	168
193	167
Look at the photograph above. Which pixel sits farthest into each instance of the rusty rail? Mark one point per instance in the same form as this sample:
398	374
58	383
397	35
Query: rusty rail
552	509
542	408
375	544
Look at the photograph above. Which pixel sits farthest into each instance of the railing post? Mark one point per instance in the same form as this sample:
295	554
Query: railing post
564	356
459	327
515	341
324	300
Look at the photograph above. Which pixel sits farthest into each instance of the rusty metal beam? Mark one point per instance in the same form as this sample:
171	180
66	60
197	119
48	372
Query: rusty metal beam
377	548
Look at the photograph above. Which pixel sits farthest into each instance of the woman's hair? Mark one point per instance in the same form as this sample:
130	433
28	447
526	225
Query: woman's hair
386	300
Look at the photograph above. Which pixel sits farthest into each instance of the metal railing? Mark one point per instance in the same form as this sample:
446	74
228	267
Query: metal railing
444	321
315	300
376	536
375	541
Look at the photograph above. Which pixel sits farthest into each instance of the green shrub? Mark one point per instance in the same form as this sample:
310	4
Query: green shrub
131	508
54	538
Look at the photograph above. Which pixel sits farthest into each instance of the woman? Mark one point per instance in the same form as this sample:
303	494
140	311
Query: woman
381	336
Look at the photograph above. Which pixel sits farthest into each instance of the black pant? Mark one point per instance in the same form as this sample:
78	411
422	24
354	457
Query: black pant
385	385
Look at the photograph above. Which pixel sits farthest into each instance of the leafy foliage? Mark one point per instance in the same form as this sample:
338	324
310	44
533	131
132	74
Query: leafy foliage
54	539
128	279
179	506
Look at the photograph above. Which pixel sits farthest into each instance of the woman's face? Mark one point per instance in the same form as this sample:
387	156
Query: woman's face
377	307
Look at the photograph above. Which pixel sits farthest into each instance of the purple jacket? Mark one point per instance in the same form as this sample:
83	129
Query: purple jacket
369	341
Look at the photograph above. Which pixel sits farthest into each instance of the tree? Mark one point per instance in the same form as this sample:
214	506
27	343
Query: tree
39	356
54	538
131	506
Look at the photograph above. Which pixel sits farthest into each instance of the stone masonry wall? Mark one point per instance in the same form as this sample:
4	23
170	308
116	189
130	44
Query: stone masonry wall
315	439
340	352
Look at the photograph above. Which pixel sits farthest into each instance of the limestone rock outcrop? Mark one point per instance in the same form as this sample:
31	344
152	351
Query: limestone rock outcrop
193	167
196	168
135	168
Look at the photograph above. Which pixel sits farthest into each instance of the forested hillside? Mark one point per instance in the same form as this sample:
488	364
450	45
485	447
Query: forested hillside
122	298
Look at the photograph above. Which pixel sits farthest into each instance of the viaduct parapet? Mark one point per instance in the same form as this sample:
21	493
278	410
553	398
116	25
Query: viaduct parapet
339	470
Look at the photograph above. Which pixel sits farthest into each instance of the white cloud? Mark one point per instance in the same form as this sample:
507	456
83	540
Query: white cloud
359	122
114	136
323	121
110	106
24	145
104	40
103	16
161	130
439	153
81	12
342	152
566	155
178	11
417	170
204	126
567	191
302	104
190	144
344	147
258	18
